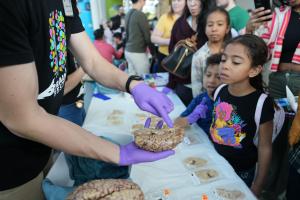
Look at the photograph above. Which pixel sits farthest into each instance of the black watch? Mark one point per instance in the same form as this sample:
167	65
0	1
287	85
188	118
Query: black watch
131	78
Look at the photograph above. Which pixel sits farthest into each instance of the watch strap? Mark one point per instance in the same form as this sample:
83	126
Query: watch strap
131	78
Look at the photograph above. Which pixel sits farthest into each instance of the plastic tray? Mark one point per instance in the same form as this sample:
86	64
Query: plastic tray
195	161
206	175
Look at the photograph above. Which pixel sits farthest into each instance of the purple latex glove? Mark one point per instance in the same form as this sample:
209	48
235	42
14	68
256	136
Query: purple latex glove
166	90
157	103
198	112
159	124
131	154
147	122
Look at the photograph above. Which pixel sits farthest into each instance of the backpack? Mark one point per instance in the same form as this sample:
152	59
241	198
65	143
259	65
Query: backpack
278	120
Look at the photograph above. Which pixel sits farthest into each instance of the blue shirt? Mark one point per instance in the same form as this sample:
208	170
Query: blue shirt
203	123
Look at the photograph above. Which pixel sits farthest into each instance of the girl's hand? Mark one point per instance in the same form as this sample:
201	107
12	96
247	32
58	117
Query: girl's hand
256	190
258	17
198	112
181	122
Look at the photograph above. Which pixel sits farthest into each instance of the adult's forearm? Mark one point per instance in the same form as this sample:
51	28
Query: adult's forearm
61	134
95	65
160	41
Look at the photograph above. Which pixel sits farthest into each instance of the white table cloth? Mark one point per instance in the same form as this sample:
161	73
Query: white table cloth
163	179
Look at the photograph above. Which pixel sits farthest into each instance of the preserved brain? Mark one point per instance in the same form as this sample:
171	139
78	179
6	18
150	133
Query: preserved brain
157	140
107	189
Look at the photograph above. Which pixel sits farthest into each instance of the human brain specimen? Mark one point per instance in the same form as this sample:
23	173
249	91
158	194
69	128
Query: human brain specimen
157	140
107	189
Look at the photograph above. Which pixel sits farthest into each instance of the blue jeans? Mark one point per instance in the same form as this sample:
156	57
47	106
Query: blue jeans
247	176
72	113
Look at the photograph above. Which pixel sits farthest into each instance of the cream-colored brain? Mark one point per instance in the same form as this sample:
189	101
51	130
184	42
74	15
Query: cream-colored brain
229	194
158	139
207	174
107	189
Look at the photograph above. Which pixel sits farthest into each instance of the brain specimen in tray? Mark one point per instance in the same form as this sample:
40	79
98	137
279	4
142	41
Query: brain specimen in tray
207	174
158	139
229	194
104	189
194	162
115	117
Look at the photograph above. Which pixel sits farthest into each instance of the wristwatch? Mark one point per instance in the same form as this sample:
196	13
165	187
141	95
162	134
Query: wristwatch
131	78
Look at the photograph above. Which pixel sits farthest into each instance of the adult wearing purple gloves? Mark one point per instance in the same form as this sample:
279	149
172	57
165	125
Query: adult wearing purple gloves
34	39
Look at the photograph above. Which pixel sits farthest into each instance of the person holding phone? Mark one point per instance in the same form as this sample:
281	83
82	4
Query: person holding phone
280	30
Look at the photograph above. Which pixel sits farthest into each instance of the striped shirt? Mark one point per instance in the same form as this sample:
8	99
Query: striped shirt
273	32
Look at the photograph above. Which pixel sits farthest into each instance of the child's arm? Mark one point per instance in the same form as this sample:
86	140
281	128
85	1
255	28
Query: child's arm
264	156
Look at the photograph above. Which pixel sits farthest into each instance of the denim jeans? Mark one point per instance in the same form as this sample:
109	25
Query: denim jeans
72	113
247	176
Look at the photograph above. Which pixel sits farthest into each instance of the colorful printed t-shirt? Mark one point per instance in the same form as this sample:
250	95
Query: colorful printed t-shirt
33	30
233	127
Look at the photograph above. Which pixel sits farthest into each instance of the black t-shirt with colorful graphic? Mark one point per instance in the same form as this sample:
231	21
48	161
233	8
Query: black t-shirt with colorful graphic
72	96
233	127
33	30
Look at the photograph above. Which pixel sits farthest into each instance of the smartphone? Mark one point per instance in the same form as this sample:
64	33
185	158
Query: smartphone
262	3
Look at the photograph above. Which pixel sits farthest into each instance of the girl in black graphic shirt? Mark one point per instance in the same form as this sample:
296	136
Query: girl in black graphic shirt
233	126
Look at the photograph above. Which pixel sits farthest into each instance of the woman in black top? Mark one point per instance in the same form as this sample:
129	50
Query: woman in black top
190	23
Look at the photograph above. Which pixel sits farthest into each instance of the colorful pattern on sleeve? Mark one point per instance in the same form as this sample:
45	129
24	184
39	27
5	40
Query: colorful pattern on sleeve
57	42
57	55
227	125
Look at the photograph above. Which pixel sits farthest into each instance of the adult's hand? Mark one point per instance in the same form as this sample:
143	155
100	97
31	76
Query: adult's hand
131	154
198	112
157	103
258	17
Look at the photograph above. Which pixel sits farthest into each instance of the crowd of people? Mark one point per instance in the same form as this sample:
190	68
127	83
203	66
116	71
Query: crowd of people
236	50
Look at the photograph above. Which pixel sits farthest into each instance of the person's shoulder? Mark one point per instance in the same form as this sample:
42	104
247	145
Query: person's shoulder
139	13
200	96
164	16
239	9
202	51
163	19
282	9
270	101
180	21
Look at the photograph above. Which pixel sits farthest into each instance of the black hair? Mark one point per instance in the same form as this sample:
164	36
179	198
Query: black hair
99	33
214	59
134	1
206	5
225	13
257	52
118	35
